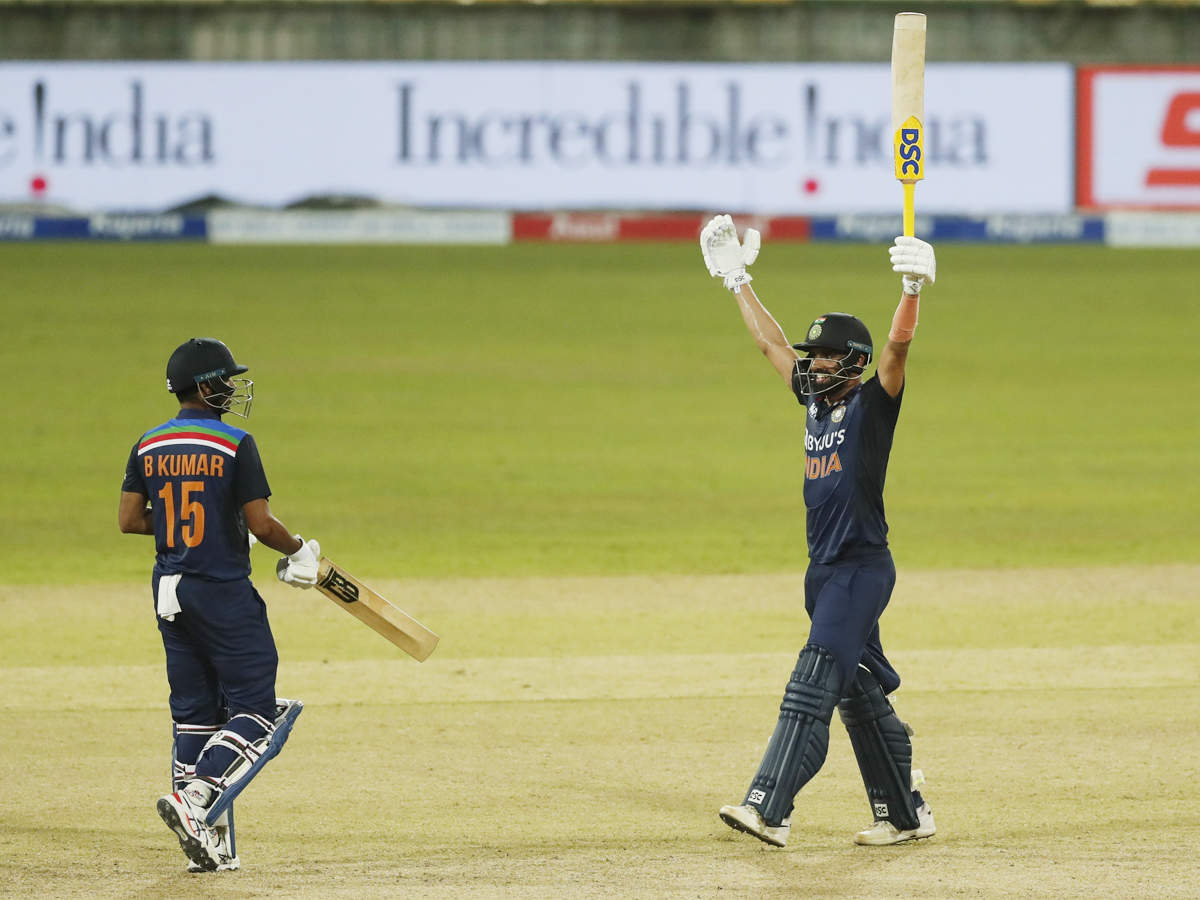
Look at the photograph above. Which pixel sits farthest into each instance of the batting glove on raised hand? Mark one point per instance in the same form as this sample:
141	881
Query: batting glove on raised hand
914	259
724	256
300	569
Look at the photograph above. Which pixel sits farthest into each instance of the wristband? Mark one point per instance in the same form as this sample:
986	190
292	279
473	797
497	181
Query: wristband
736	279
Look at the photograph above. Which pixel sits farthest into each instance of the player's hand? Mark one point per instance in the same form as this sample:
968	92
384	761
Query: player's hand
300	569
725	257
914	259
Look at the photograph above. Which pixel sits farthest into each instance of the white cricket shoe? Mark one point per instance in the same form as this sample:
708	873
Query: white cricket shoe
882	832
185	816
228	863
748	819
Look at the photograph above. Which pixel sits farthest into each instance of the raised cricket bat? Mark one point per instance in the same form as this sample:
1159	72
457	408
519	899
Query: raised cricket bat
367	606
908	107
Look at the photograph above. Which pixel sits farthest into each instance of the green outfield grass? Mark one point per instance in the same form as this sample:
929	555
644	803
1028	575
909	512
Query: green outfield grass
600	409
573	464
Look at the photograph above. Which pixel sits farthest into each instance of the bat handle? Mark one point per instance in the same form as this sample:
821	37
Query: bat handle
910	214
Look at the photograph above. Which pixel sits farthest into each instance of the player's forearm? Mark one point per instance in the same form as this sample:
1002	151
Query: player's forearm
760	323
274	534
133	515
268	529
143	524
894	357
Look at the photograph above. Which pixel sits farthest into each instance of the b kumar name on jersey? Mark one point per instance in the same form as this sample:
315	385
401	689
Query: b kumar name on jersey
184	464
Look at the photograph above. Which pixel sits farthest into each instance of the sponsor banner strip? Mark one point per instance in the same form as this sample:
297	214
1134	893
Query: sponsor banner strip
379	226
586	227
359	227
1002	228
109	227
1149	229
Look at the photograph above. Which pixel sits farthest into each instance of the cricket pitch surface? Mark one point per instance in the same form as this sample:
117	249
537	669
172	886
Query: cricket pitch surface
574	737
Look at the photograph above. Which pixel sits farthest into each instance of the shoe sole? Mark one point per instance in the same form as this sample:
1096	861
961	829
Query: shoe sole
224	867
900	840
192	847
739	826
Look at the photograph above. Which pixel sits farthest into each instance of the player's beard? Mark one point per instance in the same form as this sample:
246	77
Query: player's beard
827	381
809	384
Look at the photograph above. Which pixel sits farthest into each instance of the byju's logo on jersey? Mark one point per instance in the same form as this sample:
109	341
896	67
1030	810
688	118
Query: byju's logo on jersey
815	443
825	465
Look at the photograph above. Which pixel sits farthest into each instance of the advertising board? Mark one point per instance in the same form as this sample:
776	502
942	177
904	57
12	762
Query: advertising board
1138	137
777	139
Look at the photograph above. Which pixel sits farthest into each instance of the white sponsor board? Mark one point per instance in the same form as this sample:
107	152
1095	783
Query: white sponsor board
1139	137
367	226
777	138
1152	229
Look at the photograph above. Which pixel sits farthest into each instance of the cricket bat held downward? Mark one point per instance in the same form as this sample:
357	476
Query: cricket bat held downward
368	607
908	107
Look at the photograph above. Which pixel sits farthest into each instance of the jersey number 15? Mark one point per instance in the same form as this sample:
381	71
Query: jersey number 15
191	512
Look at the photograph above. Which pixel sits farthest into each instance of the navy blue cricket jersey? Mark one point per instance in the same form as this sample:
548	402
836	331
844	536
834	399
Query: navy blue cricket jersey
198	472
846	449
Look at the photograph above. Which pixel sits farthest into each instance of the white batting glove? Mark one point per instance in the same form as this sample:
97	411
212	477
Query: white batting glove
300	569
914	259
725	257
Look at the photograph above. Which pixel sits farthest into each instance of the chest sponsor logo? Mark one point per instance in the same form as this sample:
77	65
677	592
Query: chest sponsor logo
814	443
818	464
821	466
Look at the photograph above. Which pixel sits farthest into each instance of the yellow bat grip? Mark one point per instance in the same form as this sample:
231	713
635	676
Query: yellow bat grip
910	214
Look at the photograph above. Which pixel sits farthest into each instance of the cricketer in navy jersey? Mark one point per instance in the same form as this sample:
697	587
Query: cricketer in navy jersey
849	427
197	485
197	461
847	445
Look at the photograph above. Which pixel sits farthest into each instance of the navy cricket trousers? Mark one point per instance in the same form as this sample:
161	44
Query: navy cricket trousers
220	652
844	601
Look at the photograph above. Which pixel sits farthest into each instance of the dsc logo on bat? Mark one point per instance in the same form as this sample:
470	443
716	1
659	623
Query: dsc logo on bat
907	150
339	585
